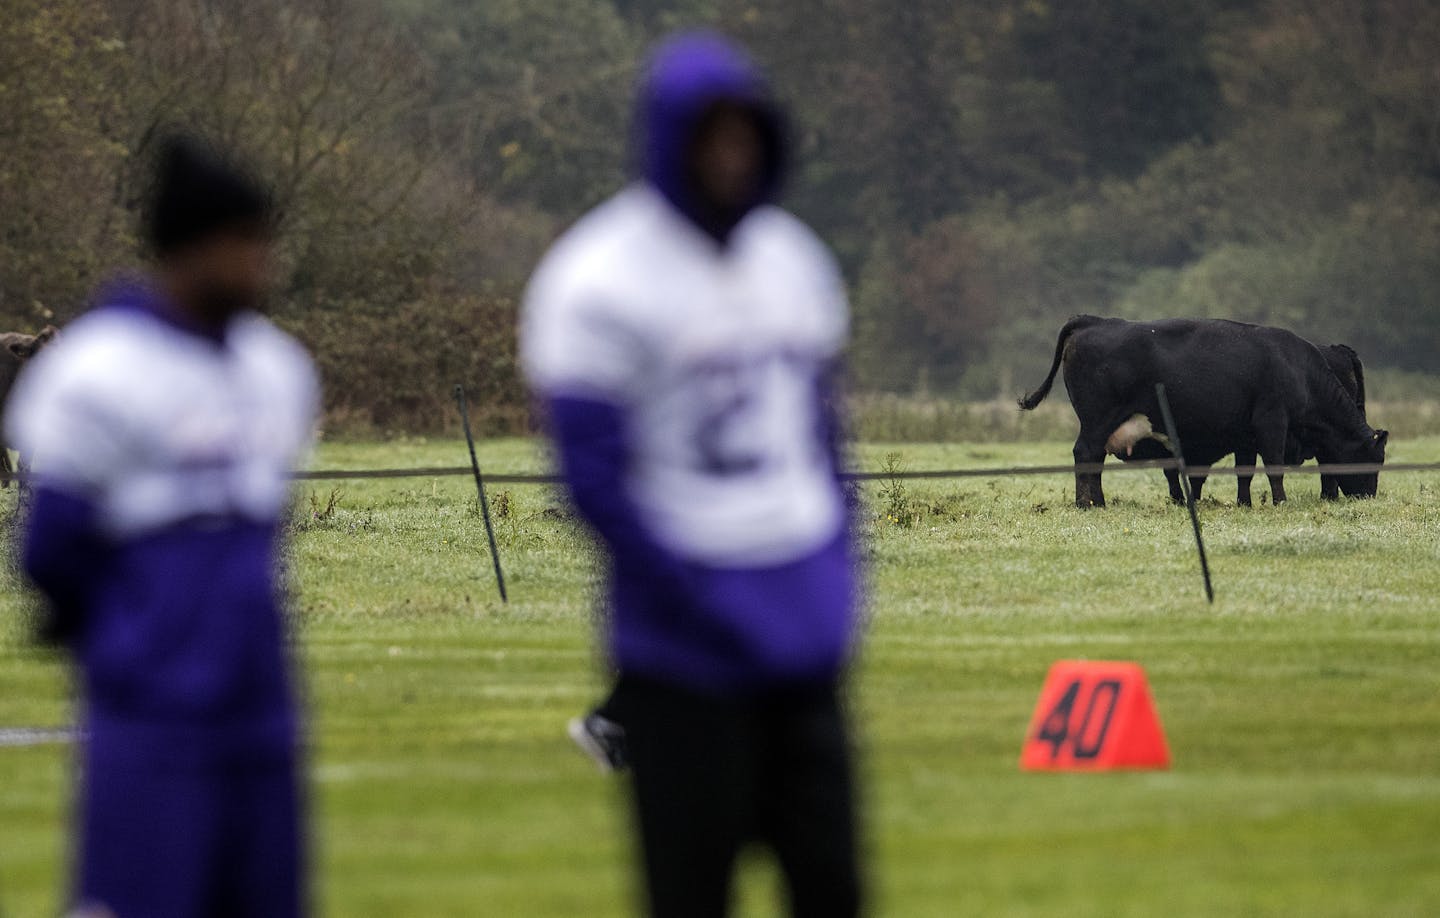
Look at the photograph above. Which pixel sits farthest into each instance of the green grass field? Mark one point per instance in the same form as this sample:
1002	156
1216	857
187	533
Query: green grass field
1302	709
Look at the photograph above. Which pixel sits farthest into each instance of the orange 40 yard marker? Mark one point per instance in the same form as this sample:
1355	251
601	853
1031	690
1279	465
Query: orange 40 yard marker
1095	717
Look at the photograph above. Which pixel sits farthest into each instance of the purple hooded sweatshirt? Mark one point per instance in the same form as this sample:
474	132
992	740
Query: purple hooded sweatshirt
178	630
715	630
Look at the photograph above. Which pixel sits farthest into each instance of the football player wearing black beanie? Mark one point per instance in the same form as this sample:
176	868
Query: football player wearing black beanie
164	426
209	226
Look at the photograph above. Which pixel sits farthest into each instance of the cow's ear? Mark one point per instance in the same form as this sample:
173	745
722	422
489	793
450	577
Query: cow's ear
47	334
22	349
1382	437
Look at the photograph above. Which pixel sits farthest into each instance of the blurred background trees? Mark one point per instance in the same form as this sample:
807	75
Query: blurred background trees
985	168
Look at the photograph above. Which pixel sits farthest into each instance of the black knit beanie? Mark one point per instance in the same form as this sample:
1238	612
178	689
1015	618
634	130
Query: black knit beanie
196	192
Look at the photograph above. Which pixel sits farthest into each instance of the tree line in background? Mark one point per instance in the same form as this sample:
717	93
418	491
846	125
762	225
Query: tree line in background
985	168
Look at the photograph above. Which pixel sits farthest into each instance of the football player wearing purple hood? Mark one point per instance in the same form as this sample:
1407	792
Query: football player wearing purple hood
682	338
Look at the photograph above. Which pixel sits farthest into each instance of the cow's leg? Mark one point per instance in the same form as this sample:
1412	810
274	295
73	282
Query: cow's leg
1271	430
1172	478
1197	485
5	467
1242	482
1329	487
1089	448
1277	484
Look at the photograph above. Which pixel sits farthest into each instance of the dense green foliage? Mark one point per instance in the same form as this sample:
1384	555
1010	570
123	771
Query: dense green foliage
985	169
1303	709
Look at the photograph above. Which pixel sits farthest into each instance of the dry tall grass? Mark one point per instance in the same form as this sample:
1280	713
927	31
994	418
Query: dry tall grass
927	419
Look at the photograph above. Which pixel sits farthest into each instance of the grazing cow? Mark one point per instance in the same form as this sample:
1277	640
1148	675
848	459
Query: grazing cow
1346	366
1234	388
15	349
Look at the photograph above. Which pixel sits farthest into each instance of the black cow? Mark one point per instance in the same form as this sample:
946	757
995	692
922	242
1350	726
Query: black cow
1234	388
15	349
1346	366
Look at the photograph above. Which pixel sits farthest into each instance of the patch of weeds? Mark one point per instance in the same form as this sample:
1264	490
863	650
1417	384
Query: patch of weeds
317	514
899	507
507	510
327	514
947	508
324	514
362	522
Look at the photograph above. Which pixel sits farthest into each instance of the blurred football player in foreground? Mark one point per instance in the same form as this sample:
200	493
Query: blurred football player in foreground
163	428
683	337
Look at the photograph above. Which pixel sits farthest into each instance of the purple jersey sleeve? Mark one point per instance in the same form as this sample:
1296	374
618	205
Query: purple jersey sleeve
594	455
61	552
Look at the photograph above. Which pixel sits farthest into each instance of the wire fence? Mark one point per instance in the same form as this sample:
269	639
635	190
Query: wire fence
1091	468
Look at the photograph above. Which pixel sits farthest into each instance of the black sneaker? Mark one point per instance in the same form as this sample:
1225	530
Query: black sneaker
602	739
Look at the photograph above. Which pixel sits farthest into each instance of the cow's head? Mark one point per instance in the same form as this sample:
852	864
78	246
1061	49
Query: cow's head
27	346
1370	450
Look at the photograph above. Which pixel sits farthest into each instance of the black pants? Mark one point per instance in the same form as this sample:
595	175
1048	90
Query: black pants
711	775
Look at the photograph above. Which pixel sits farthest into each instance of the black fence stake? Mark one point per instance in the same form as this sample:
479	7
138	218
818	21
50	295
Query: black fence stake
1179	451
480	487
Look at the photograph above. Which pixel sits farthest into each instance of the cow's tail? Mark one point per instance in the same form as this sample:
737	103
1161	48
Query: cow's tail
1029	402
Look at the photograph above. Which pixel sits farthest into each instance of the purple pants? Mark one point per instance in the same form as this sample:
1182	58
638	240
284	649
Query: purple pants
181	839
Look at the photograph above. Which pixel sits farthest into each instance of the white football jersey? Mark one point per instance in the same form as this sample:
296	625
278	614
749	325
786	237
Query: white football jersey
158	426
715	356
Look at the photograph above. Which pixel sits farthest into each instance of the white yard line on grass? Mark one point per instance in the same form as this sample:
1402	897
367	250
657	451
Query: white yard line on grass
37	736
